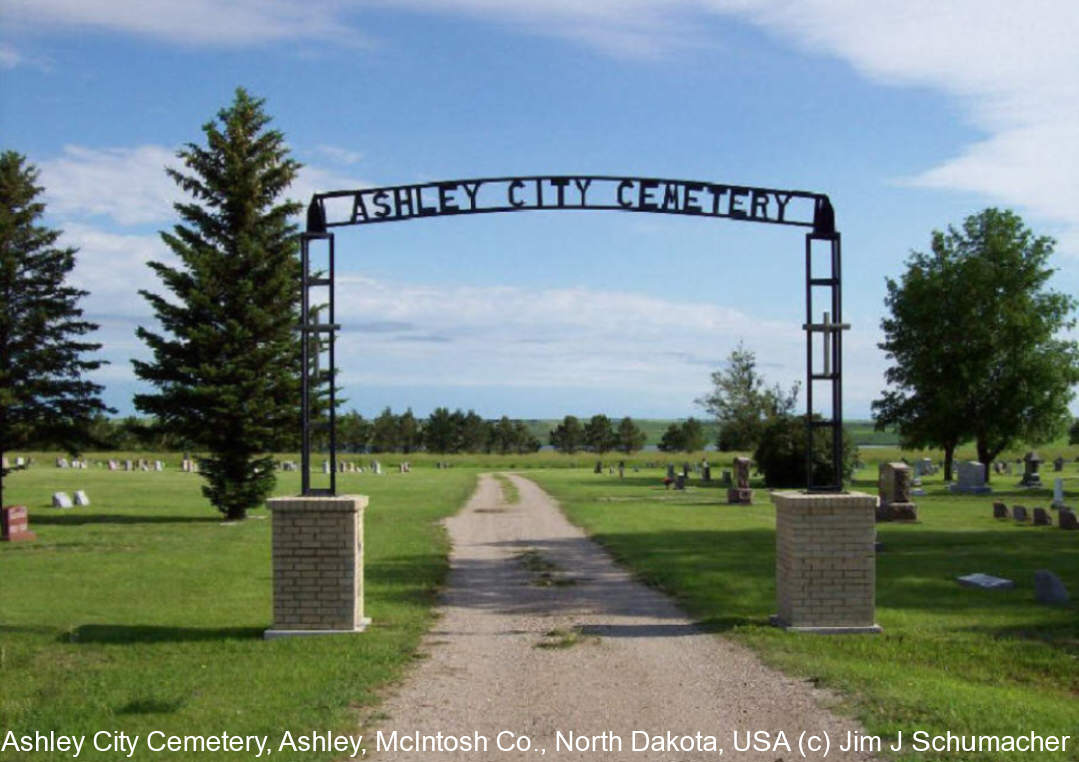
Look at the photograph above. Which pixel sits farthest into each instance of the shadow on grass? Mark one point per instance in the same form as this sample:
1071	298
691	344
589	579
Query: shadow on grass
81	519
119	634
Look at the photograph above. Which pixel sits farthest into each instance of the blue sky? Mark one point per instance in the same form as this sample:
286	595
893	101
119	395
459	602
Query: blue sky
909	115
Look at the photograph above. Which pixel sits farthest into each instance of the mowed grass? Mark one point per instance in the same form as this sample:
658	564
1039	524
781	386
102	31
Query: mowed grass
145	612
950	658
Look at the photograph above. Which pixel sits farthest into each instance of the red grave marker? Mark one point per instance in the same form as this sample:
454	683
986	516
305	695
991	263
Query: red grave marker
15	524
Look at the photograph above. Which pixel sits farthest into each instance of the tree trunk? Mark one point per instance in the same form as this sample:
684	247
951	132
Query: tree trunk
949	457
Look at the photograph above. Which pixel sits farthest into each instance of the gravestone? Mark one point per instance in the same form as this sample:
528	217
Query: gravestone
61	500
971	478
740	493
1019	513
128	466
893	482
1000	511
61	463
20	462
376	468
985	582
1067	519
707	472
4	463
621	469
1042	518
1048	588
726	479
1058	492
685	470
113	465
1058	464
680	481
15	524
670	471
159	466
599	467
1031	477
81	498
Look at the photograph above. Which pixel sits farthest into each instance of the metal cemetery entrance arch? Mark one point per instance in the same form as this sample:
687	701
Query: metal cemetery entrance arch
544	192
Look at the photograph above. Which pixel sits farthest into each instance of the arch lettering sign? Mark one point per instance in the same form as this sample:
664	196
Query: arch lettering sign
548	192
399	203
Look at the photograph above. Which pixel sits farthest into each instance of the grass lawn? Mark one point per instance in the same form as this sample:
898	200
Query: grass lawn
950	658
145	612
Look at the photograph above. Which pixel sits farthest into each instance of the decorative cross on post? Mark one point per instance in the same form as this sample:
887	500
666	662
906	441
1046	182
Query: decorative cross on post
827	327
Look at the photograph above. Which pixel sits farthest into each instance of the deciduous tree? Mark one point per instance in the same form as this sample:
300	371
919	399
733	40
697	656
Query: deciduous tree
741	403
974	335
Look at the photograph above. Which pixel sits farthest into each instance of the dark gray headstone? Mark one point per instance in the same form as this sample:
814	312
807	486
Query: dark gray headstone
1048	588
1067	519
1019	513
1000	511
1042	518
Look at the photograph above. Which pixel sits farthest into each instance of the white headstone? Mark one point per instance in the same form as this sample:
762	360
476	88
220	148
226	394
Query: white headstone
113	465
61	463
985	581
128	466
20	461
4	462
1058	492
61	500
159	466
81	498
325	466
377	467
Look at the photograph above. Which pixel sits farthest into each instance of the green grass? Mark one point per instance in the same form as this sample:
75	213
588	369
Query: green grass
510	495
950	658
143	611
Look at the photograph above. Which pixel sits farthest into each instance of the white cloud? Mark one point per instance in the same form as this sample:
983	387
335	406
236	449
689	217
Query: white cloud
407	335
189	22
112	267
9	57
1012	65
127	185
339	155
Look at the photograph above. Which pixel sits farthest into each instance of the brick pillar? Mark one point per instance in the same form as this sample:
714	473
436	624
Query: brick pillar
825	562
317	565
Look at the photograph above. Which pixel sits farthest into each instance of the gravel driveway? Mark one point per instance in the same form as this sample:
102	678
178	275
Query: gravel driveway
544	642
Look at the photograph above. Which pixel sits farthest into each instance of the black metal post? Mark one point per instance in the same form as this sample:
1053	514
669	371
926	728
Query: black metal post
311	377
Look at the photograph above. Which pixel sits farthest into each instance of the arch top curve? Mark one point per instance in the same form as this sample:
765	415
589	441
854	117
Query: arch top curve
398	203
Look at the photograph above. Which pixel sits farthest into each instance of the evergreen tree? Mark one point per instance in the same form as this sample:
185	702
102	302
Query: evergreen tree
629	436
599	434
226	366
44	399
673	439
568	436
385	432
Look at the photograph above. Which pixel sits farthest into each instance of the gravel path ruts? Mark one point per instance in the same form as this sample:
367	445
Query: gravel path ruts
541	632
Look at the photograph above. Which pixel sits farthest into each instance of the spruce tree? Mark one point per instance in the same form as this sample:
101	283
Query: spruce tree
226	366
44	398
